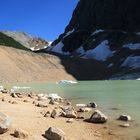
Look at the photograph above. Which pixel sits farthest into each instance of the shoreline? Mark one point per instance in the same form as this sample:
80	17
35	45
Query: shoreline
29	116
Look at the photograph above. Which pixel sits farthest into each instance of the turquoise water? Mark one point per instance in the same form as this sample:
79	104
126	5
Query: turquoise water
124	95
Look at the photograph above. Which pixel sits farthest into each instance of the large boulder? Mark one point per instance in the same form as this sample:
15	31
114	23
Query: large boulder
54	133
69	112
98	117
5	123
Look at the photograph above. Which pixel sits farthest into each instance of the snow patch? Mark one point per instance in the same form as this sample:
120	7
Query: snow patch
58	49
101	52
32	48
110	65
69	32
50	42
132	62
138	33
132	46
97	31
80	50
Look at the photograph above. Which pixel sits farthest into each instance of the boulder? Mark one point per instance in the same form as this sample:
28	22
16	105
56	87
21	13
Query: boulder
124	118
5	123
93	105
98	117
47	114
14	95
53	102
19	133
54	114
42	104
69	112
4	91
54	133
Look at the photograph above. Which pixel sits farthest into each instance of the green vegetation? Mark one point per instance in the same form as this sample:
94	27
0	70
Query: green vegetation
10	42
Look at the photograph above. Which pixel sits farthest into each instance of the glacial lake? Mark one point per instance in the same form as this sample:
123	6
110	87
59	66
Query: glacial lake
112	97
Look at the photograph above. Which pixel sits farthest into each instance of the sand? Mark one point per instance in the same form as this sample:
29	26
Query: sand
27	116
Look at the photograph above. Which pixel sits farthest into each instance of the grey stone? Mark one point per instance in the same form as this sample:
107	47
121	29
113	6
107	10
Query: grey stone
5	123
69	112
125	118
54	114
98	117
54	133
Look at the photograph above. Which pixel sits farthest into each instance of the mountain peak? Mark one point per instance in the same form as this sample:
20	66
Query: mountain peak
107	29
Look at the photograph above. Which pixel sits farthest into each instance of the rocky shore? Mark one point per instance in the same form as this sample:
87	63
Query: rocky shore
34	116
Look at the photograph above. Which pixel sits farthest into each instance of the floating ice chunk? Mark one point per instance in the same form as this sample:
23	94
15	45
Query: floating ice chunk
63	82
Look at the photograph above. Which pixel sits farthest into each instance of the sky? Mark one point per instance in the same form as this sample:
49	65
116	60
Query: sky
42	18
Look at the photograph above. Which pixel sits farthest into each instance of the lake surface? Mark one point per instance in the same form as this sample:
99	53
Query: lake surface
124	95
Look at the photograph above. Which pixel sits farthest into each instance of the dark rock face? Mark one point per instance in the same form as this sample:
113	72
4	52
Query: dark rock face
106	14
104	30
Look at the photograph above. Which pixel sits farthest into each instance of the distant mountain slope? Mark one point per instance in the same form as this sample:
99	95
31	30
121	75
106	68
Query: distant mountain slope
30	42
107	31
8	41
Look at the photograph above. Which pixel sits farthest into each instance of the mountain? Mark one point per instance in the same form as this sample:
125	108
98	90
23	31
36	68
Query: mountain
107	31
20	64
8	41
28	41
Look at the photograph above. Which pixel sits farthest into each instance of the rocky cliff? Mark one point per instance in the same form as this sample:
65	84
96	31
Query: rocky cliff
107	31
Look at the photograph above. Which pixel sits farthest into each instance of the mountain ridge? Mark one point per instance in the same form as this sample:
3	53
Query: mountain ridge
26	40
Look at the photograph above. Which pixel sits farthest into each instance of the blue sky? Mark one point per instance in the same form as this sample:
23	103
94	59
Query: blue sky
43	18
